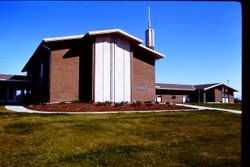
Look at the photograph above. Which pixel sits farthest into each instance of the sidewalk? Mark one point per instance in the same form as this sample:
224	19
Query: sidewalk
22	109
210	108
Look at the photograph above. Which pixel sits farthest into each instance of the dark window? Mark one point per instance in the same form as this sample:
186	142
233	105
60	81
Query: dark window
2	94
11	94
225	92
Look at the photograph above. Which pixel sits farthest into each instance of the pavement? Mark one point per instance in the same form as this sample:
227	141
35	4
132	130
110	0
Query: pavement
211	108
22	109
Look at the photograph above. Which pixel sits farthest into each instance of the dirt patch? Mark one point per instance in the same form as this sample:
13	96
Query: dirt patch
91	107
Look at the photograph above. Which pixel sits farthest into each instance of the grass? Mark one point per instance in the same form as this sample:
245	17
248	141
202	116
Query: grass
233	106
3	109
195	138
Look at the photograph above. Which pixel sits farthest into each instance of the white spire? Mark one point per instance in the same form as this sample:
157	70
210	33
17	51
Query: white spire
150	41
149	21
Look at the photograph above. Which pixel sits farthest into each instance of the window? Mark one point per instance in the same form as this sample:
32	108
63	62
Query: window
11	94
224	95
18	94
224	92
41	70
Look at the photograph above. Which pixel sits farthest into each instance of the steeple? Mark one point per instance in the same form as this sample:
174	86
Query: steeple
150	42
149	21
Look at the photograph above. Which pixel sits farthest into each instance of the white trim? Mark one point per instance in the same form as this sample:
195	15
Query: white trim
63	38
219	85
210	87
101	32
160	55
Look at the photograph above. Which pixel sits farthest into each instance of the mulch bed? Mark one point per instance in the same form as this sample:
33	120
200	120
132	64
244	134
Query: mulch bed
91	107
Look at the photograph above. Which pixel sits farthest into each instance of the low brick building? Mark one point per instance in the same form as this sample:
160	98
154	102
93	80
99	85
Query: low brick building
109	65
14	89
216	92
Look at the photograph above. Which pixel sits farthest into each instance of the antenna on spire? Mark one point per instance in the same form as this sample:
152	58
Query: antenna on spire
149	21
150	39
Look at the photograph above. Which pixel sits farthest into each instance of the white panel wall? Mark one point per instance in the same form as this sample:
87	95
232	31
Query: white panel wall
99	70
119	72
106	69
127	73
112	70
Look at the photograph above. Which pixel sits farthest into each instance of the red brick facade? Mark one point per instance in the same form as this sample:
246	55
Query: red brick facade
217	94
169	98
208	93
143	78
64	77
68	74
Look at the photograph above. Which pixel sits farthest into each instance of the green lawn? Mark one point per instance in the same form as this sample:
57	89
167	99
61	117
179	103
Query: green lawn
193	138
233	106
3	109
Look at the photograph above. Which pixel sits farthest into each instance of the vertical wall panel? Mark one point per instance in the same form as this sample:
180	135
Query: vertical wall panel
122	71
99	70
106	69
119	67
112	70
127	74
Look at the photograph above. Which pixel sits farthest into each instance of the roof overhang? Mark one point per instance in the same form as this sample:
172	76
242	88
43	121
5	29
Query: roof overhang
63	38
41	45
157	55
136	41
115	31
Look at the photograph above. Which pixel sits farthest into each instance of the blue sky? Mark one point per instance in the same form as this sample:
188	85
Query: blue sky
201	40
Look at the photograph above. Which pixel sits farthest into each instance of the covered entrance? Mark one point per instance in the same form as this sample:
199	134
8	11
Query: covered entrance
14	89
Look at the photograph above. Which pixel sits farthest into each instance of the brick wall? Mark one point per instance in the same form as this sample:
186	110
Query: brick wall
168	98
231	96
64	80
218	96
143	77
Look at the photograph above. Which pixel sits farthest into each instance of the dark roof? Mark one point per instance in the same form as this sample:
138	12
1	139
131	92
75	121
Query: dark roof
8	77
204	86
5	76
174	87
166	86
210	86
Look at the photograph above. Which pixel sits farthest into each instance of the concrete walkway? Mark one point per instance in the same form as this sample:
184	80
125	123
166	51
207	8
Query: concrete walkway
210	108
22	109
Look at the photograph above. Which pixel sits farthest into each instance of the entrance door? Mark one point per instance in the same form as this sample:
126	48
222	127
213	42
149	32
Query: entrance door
159	98
184	99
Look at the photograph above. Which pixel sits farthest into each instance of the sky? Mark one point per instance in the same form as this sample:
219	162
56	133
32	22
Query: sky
201	40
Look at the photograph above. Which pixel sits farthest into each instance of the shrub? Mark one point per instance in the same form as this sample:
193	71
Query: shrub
148	103
99	103
136	103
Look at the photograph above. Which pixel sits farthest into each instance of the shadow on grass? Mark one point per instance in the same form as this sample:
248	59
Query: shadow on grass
22	128
107	155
